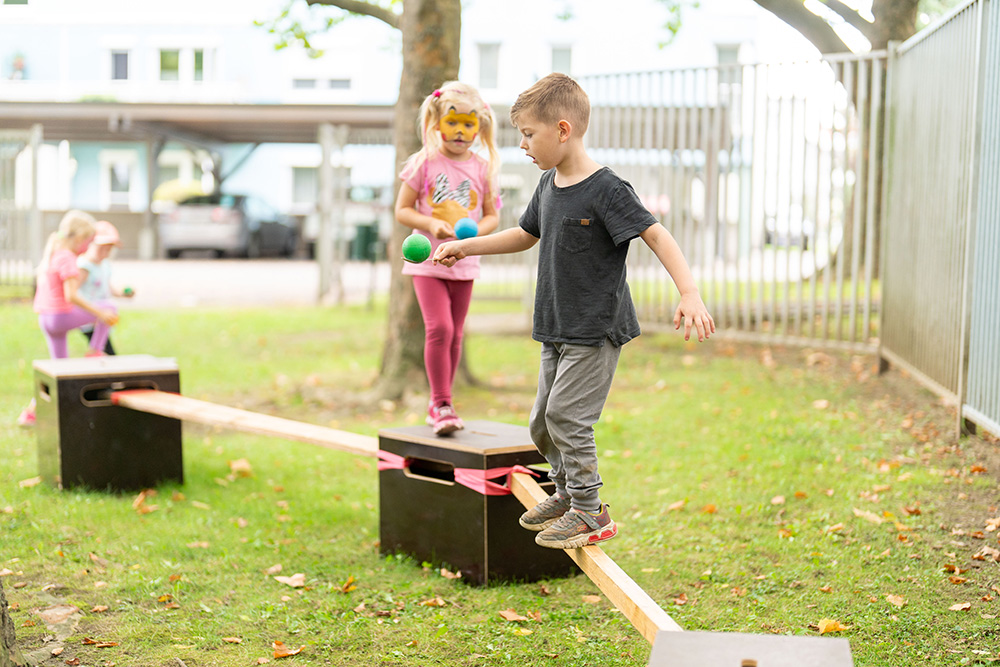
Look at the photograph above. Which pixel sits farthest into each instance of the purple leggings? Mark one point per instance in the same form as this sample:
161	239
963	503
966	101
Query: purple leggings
444	305
55	326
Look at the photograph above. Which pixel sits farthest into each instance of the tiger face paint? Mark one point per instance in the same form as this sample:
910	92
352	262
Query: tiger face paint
460	127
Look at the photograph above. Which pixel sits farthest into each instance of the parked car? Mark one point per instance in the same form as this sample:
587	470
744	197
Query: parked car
227	224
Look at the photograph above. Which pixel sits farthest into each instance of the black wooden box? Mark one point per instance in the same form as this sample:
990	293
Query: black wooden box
425	514
734	649
84	440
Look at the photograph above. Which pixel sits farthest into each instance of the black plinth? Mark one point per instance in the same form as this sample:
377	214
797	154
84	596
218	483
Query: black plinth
424	513
733	649
84	440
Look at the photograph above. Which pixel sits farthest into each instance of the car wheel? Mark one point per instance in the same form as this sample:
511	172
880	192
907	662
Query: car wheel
173	254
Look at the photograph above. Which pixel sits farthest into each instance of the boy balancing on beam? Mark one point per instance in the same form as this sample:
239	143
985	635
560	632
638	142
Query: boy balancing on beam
584	216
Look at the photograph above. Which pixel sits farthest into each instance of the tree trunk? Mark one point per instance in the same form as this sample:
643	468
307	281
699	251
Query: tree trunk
9	655
431	31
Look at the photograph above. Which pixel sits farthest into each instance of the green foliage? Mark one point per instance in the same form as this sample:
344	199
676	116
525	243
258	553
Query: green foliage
675	10
299	23
733	471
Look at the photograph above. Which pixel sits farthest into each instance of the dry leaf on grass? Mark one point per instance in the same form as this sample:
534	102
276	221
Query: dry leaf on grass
348	585
447	574
679	505
297	580
241	467
897	600
681	599
282	651
98	644
232	640
829	625
963	606
30	482
868	516
433	602
99	609
273	570
591	599
511	615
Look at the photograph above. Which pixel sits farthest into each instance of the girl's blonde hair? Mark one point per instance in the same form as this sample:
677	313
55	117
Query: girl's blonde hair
435	106
74	226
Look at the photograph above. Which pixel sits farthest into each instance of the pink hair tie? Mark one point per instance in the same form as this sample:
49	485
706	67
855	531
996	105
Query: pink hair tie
437	93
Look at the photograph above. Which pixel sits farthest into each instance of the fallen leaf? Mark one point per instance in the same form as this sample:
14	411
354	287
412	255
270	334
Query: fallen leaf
98	644
297	580
963	606
821	404
897	600
263	661
868	516
282	651
412	642
801	494
433	602
6	572
99	609
57	651
778	500
348	585
450	575
274	569
784	533
232	640
522	632
591	599
198	545
826	589
175	577
72	662
30	482
511	615
241	467
679	505
957	580
829	625
709	509
681	599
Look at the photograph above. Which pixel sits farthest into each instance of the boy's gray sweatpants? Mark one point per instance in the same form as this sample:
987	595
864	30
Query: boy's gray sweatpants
573	385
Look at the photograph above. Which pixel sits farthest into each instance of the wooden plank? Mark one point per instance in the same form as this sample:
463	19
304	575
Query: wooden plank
640	609
203	412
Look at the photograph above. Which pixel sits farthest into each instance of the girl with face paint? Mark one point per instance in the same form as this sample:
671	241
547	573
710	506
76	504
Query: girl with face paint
445	181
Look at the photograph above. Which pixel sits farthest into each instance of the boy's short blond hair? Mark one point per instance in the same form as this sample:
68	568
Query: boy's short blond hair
553	98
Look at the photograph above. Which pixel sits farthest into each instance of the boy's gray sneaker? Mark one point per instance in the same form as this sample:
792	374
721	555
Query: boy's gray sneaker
545	513
578	529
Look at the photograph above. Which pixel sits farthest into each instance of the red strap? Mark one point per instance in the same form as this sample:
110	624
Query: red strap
477	480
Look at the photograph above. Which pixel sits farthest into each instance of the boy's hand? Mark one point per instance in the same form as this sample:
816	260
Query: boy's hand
694	313
449	253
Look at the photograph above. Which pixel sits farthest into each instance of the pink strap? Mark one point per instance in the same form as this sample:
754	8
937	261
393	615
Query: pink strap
477	480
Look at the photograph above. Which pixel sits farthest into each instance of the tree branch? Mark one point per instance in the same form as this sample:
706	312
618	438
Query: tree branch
851	16
361	7
812	27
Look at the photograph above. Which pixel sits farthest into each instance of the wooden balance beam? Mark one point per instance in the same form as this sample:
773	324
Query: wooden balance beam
191	409
640	609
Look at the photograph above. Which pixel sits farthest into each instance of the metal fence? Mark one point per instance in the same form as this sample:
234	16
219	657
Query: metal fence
940	247
981	399
18	209
766	176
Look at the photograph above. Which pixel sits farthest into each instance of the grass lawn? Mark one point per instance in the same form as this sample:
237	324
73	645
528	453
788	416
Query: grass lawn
761	490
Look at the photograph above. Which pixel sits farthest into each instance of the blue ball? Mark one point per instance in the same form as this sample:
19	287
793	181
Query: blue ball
466	228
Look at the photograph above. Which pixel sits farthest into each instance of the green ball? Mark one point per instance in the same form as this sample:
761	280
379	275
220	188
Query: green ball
416	248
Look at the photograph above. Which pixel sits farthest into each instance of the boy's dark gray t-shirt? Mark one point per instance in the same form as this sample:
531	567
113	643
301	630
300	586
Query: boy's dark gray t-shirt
584	231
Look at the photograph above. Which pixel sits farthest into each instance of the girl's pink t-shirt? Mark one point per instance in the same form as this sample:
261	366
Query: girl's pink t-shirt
438	180
50	296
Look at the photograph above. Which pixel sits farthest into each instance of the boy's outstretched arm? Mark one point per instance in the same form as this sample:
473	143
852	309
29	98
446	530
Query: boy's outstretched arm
691	308
514	239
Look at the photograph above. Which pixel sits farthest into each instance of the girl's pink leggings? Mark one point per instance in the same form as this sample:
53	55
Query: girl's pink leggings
55	326
444	304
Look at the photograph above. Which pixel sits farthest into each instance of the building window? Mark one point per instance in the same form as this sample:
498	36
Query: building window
305	185
170	65
729	58
120	178
119	65
562	59
199	65
489	65
340	84
15	2
303	83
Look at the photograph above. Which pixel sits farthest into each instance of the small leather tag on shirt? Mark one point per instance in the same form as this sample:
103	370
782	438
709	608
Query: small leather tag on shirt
585	221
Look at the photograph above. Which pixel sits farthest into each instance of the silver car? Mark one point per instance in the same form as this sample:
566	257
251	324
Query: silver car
226	224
